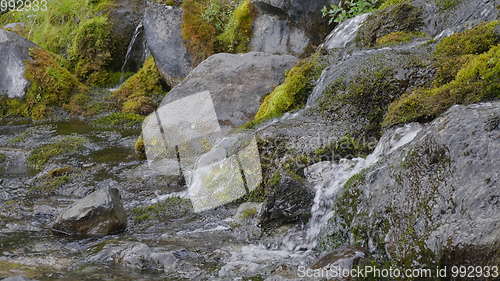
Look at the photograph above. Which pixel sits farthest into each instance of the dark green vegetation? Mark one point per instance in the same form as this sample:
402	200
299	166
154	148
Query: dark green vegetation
468	71
171	208
292	94
119	120
212	26
41	155
348	9
142	91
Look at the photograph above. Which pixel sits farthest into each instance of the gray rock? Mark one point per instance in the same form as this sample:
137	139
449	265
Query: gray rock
99	213
247	211
17	278
344	35
162	25
125	17
288	27
14	50
236	82
435	199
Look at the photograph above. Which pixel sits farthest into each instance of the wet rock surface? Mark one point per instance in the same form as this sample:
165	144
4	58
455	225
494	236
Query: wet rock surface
14	51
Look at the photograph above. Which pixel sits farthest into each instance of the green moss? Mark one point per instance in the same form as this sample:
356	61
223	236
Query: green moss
398	18
212	26
41	155
346	147
170	208
368	95
398	37
292	93
139	93
238	31
139	147
119	119
90	51
477	80
456	50
3	157
248	213
387	3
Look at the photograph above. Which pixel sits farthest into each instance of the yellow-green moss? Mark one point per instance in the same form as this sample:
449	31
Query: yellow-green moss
3	157
139	93
477	80
388	3
238	31
292	93
454	51
119	119
51	85
398	37
39	156
212	26
90	51
139	147
447	4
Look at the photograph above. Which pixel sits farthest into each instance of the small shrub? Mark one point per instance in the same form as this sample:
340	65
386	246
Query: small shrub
348	9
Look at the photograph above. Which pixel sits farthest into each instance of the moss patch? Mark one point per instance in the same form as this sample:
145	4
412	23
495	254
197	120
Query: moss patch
212	26
398	18
3	157
140	93
139	147
478	80
398	37
387	3
447	4
474	77
41	155
292	93
120	120
170	208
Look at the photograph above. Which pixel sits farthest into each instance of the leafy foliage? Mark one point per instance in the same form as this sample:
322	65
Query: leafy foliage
348	9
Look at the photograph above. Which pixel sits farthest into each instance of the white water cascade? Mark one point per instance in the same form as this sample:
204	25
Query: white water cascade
137	32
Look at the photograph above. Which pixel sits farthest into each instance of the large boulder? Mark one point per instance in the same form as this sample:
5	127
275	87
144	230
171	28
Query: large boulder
99	213
14	50
434	200
126	26
162	26
236	83
288	27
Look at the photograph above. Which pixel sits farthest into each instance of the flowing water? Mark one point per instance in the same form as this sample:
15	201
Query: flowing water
138	30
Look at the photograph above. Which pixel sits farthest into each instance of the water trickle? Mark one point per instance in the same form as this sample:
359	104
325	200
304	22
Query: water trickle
137	32
330	177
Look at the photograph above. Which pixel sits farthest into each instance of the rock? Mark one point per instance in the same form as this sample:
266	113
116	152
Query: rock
236	83
99	213
125	18
289	202
344	35
439	194
162	26
247	211
288	27
343	258
276	36
14	50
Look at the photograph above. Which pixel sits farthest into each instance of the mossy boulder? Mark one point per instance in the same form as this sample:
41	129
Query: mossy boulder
466	74
142	91
407	207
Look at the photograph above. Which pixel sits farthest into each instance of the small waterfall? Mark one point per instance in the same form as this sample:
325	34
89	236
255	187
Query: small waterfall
334	175
137	32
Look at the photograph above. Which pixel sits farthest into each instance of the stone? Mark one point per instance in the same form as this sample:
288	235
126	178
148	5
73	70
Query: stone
99	213
14	50
162	26
236	83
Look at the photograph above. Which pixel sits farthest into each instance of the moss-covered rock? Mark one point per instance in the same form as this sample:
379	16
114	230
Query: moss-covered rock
475	77
41	155
122	120
398	37
142	91
398	18
292	93
170	208
51	85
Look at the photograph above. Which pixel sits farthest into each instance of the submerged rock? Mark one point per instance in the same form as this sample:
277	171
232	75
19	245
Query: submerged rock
100	213
14	50
162	25
236	82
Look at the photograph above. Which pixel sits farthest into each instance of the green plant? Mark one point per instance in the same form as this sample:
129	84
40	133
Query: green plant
238	31
39	156
348	9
